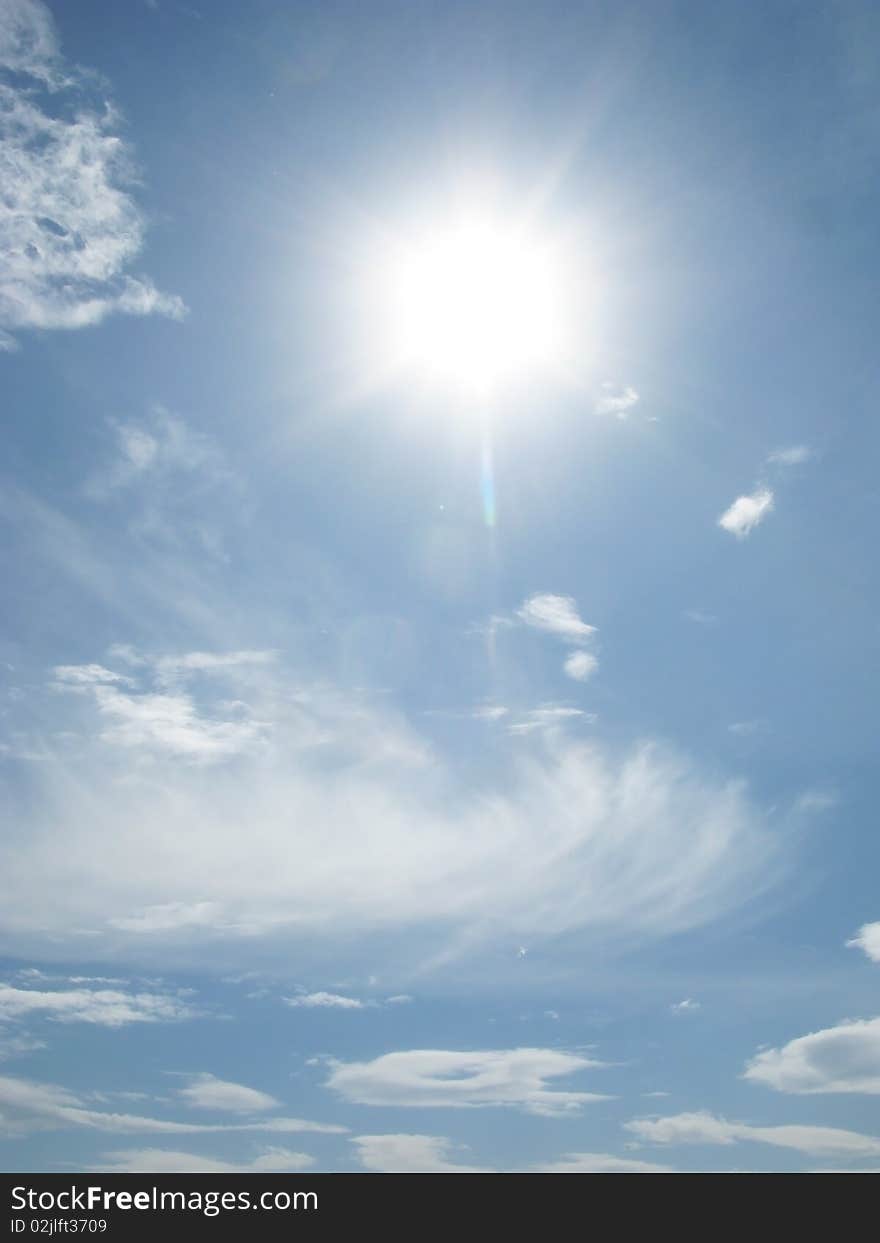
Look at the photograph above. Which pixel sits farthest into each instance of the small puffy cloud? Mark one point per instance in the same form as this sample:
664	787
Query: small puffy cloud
436	1078
747	512
601	1163
409	1154
705	1128
688	1006
845	1058
580	666
103	1007
699	617
165	1161
207	1092
557	615
69	226
325	1001
868	939
616	400
795	455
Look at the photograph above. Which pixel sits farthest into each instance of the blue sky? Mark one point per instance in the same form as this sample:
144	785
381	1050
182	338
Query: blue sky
407	767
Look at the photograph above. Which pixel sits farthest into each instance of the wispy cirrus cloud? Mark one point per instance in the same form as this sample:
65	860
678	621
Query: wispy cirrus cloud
557	843
844	1058
747	512
69	226
518	1078
158	447
705	1128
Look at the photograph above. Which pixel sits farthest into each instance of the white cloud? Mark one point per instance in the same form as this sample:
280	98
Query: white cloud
160	445
207	1092
329	1001
168	917
747	512
601	1163
705	1128
163	1161
564	836
557	615
868	939
433	1078
165	721
104	1007
795	455
699	617
685	1007
69	229
409	1154
27	1105
12	1046
845	1058
86	675
616	400
489	712
548	717
580	666
816	800
27	40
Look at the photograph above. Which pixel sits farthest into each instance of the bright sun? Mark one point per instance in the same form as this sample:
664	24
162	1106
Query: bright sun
475	305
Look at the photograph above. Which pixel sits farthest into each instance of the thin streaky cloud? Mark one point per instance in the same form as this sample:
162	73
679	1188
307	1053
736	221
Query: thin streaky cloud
616	399
704	1128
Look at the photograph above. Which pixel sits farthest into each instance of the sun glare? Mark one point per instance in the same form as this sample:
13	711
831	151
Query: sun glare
475	305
